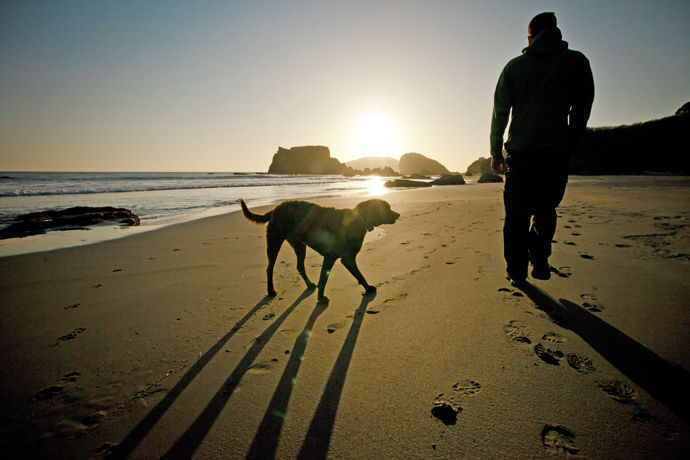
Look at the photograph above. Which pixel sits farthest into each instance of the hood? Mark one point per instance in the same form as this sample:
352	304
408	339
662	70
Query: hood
547	41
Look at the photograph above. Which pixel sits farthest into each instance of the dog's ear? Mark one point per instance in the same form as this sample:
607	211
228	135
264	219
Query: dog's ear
367	211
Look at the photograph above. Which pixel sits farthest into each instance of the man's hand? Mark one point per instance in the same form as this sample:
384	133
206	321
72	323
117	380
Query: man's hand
498	165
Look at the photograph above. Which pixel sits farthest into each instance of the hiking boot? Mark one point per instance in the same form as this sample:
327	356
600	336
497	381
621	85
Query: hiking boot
541	271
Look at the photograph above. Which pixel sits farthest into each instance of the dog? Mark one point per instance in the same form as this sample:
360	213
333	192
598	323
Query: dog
333	233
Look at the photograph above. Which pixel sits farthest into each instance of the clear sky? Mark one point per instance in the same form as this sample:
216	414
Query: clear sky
219	85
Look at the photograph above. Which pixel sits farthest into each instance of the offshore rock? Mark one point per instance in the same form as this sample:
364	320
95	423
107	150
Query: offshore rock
309	159
77	218
412	163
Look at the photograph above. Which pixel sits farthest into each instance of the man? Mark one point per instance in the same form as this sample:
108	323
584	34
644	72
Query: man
550	90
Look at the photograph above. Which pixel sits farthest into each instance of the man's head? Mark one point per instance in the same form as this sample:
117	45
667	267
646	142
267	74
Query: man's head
538	23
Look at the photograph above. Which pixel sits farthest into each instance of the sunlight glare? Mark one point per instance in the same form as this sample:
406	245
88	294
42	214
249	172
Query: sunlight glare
375	186
376	135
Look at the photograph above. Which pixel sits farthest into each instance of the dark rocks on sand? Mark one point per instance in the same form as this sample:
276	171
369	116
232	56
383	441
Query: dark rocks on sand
406	183
76	218
449	179
489	177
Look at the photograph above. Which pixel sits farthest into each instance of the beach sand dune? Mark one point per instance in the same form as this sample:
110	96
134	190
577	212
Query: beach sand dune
163	344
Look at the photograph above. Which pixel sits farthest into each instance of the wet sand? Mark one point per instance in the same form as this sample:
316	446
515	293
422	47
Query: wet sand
164	345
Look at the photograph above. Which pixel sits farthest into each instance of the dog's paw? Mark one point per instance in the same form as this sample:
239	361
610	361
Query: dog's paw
272	292
324	299
370	289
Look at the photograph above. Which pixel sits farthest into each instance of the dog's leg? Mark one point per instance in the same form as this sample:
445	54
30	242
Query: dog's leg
301	252
273	244
323	278
351	264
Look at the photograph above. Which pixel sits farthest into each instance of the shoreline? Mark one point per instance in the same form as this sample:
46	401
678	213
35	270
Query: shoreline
165	343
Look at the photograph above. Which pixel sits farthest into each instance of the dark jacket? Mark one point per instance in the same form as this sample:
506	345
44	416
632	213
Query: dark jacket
557	117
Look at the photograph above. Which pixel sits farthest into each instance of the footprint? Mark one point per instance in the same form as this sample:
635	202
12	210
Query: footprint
105	449
117	270
445	411
268	316
587	256
515	332
548	355
576	233
262	367
553	337
555	319
563	272
48	393
593	308
69	307
72	335
559	439
580	363
589	296
71	377
619	245
467	388
570	243
331	328
618	391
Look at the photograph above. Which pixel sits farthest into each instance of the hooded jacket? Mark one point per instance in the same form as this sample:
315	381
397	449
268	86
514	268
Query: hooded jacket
550	119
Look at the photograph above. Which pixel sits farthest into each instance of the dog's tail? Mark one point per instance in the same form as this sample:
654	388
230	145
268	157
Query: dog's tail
256	218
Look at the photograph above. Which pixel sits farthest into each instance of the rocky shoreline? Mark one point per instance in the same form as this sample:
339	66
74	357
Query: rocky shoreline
76	218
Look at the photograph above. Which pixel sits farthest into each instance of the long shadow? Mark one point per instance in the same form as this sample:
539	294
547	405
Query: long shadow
134	438
665	382
318	438
266	439
189	442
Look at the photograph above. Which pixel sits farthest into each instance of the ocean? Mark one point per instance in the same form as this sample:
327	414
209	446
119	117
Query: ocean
158	199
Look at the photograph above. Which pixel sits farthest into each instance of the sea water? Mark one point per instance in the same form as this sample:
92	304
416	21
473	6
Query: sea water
157	198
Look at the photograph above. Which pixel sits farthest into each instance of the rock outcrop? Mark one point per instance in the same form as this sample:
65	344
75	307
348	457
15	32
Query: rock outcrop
411	163
489	177
480	166
449	179
310	159
77	218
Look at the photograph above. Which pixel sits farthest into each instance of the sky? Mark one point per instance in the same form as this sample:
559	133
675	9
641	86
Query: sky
219	85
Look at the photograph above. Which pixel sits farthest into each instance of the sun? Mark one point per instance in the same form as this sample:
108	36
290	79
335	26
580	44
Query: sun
376	135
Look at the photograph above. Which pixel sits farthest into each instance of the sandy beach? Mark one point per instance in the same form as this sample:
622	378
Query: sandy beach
164	344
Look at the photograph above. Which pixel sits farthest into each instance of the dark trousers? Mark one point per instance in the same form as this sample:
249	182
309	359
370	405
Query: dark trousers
535	185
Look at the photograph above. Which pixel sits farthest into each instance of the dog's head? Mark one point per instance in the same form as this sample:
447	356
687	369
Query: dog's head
376	212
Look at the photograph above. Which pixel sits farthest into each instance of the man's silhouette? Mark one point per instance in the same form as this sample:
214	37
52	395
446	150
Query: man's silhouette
550	90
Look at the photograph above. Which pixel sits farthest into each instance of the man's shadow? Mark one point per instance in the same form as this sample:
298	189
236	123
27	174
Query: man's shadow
666	382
